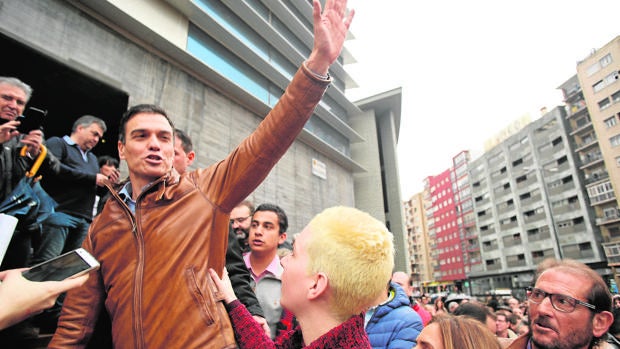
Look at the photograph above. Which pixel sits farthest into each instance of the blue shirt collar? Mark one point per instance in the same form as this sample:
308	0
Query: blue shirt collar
125	194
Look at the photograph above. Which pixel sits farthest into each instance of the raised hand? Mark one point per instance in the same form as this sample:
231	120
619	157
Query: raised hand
330	30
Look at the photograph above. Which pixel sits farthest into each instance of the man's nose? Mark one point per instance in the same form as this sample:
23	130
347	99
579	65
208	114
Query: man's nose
154	142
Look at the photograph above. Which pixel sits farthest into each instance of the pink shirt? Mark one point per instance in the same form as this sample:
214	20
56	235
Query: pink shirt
273	268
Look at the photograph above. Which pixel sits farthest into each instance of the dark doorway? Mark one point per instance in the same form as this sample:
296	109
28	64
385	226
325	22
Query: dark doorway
65	93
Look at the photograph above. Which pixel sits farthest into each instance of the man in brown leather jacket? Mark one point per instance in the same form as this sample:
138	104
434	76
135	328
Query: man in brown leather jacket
157	237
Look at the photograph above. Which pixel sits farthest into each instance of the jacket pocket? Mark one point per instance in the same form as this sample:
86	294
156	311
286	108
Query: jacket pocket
201	295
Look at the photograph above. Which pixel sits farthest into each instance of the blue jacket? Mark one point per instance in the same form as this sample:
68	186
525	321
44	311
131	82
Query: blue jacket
394	325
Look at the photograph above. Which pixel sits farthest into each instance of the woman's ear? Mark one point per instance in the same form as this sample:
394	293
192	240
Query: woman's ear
601	323
319	286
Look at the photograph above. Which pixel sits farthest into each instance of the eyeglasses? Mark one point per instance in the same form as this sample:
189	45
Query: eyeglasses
560	302
239	220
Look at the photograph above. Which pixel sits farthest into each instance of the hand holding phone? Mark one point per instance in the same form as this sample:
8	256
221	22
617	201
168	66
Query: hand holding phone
32	120
68	265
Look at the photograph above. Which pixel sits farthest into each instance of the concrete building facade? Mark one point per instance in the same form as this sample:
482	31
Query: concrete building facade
530	204
217	67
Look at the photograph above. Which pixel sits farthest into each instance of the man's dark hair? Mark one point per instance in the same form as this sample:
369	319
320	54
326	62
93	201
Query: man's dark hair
186	142
282	219
137	109
107	160
474	311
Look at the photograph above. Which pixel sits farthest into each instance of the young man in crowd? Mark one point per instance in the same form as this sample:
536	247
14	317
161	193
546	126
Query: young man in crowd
267	232
401	278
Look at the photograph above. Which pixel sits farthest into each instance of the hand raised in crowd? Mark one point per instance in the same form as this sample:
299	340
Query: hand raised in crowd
21	298
8	131
330	31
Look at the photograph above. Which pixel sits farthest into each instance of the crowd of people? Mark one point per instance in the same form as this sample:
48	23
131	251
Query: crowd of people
187	261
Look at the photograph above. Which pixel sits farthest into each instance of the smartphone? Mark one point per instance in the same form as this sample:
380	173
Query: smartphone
31	120
68	265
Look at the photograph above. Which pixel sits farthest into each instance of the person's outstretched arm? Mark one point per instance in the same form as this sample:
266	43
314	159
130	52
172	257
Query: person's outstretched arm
21	298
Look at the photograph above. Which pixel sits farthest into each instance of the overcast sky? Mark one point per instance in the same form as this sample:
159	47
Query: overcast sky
469	68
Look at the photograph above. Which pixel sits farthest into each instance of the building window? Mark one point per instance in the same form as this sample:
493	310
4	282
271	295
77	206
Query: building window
611	122
606	60
615	97
615	141
618	161
606	81
604	104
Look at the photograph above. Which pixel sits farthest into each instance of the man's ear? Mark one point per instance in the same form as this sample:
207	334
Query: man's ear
190	157
121	148
601	323
281	238
319	286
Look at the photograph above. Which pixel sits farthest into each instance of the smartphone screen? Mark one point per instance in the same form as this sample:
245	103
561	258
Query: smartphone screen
70	264
32	120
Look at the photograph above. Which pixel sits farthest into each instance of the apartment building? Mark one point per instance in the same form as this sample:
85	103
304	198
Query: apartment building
530	204
443	231
593	98
418	241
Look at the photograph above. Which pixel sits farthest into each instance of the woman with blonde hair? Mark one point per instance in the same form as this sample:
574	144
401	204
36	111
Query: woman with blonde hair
456	332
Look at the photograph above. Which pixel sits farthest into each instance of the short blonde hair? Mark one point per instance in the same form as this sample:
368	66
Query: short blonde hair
356	252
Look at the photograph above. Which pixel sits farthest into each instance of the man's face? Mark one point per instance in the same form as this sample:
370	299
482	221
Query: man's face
12	102
403	280
87	137
513	303
182	160
501	323
148	147
107	170
241	219
265	232
553	329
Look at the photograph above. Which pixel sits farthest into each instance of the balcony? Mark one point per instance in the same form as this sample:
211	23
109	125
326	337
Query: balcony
571	229
514	262
489	247
538	236
612	252
590	158
596	176
611	216
602	198
567	208
585	144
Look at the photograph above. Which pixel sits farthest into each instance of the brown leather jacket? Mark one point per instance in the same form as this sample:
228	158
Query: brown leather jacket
153	279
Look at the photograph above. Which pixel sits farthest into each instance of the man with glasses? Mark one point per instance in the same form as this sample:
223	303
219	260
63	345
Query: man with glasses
569	308
240	219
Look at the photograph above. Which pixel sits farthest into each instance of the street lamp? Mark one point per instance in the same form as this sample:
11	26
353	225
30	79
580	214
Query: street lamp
547	203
